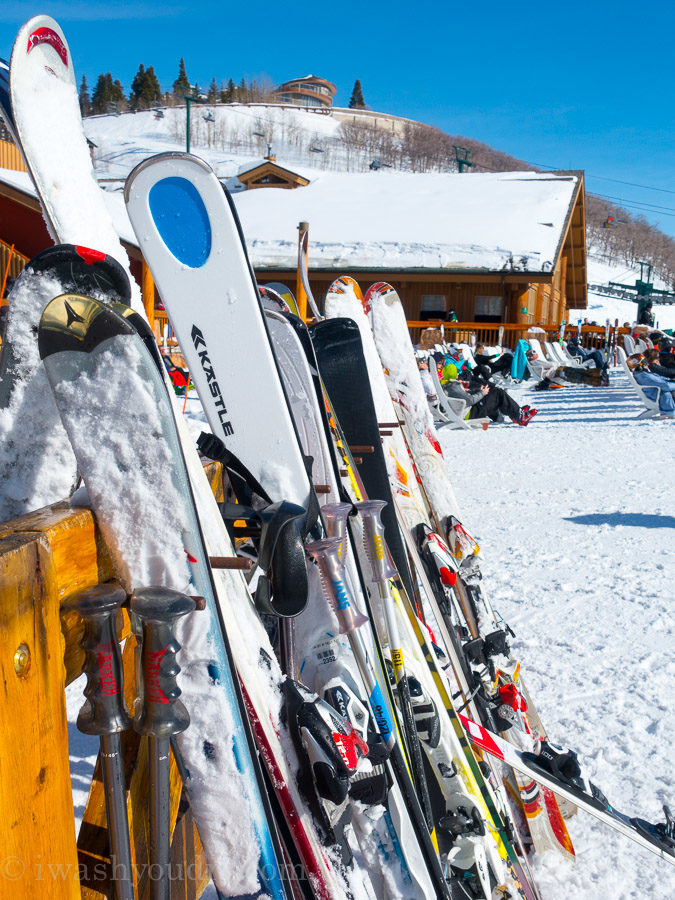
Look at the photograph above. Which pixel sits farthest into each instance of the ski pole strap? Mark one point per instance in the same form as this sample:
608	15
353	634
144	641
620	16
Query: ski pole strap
313	508
283	588
245	484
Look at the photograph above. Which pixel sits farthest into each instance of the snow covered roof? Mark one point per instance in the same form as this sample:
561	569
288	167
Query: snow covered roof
514	221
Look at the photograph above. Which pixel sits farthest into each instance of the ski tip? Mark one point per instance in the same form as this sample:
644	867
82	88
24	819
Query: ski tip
162	159
81	270
76	322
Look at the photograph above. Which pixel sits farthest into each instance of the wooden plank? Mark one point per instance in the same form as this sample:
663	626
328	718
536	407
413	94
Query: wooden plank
10	157
148	293
189	871
37	835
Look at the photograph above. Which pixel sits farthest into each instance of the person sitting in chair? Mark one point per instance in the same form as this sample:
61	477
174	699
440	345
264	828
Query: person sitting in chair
542	368
485	399
639	366
500	364
574	348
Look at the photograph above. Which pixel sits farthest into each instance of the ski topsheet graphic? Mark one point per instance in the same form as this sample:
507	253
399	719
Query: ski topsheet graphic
139	489
48	127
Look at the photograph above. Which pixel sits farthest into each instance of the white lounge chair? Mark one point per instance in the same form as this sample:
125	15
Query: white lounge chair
540	368
567	358
652	406
629	344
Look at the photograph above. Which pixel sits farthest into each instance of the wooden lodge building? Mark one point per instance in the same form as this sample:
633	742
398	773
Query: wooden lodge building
492	248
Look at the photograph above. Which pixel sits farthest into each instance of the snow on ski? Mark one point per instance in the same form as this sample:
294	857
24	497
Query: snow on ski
37	466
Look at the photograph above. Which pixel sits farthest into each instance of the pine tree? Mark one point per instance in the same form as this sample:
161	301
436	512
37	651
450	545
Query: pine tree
152	93
85	99
213	93
137	86
117	94
356	100
181	85
102	94
145	89
230	92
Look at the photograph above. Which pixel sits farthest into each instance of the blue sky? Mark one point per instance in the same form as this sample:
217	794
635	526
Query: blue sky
583	85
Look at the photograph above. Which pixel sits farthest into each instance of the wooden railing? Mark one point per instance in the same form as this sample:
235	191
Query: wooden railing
488	332
456	332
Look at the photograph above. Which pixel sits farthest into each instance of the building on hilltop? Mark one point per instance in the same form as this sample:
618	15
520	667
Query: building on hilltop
307	91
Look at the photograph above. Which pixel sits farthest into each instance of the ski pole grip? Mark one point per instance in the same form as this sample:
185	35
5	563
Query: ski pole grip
373	536
162	714
326	553
104	711
335	517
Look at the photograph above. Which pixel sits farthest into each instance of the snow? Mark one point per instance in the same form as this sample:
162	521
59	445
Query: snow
146	540
37	466
574	515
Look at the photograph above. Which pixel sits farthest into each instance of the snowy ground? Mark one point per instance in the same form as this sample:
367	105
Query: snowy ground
576	518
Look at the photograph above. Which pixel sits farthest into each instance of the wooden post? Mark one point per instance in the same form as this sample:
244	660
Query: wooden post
37	833
562	311
300	295
148	293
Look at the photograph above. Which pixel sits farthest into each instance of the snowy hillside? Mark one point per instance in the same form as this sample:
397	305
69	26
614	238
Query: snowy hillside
236	134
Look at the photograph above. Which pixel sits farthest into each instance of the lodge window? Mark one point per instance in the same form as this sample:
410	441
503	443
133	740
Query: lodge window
488	308
434	306
270	179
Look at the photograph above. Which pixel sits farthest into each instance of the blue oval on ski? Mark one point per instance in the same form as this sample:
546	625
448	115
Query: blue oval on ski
181	220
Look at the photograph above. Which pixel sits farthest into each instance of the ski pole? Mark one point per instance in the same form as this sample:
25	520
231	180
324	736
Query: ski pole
326	553
104	714
161	714
382	570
